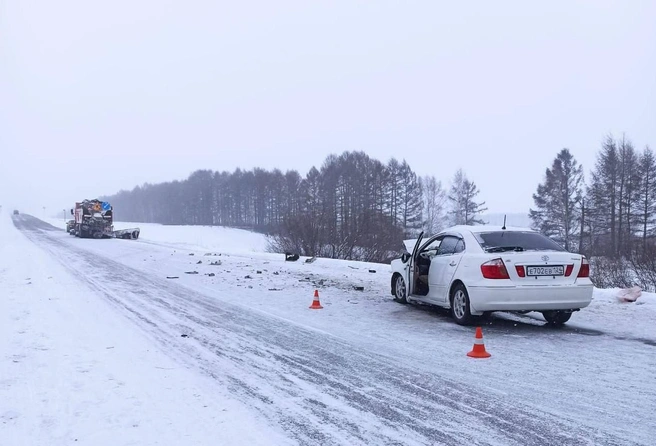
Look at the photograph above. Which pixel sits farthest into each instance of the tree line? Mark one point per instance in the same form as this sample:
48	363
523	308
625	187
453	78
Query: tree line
611	218
351	207
357	207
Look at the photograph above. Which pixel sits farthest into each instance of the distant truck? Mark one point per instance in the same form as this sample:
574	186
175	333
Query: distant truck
95	219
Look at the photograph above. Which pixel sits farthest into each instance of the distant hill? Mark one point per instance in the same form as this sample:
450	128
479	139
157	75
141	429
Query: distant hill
512	219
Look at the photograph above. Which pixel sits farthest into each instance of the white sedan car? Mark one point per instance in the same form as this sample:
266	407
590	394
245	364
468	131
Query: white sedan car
474	270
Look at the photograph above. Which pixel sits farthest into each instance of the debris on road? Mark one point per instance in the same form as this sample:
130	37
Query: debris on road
629	294
289	257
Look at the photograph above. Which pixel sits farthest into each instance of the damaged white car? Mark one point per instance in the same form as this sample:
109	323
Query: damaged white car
474	270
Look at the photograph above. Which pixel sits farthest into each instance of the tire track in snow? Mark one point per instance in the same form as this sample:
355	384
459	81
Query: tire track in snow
322	390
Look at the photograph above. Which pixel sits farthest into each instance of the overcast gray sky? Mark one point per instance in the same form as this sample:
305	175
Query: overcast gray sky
102	96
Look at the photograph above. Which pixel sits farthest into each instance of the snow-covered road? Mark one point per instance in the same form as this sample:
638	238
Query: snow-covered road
365	370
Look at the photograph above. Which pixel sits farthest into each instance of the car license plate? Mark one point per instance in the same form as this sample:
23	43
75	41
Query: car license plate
554	270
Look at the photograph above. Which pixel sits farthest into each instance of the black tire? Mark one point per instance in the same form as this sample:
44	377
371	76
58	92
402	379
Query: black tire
400	290
135	235
460	308
557	317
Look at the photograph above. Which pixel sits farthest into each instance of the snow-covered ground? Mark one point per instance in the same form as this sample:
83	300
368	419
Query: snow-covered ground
192	237
606	312
364	370
73	371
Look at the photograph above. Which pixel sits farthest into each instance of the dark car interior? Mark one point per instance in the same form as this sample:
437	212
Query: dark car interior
441	246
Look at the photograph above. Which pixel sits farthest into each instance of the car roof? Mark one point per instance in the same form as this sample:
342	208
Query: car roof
464	229
478	229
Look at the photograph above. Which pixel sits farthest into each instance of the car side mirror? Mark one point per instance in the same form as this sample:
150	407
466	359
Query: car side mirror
71	211
405	257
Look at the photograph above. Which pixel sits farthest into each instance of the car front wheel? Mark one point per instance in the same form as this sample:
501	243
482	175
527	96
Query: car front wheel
460	308
400	290
557	317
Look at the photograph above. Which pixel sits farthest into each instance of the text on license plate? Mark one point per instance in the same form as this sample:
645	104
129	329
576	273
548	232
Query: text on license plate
554	270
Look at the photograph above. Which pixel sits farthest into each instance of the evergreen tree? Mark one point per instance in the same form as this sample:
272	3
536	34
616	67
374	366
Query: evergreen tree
558	201
464	210
646	204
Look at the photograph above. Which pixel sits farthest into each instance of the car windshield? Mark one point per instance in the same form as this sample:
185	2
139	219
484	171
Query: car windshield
500	241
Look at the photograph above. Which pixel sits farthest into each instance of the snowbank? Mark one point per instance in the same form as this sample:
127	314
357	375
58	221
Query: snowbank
207	238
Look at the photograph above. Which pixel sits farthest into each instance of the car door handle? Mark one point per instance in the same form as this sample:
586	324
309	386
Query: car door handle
452	263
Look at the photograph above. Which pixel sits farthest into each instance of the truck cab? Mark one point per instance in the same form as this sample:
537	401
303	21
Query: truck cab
92	219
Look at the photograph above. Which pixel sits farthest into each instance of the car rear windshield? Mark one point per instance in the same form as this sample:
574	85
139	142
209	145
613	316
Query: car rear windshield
517	241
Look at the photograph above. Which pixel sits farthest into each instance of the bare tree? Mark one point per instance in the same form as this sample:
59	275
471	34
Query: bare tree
435	204
603	199
352	207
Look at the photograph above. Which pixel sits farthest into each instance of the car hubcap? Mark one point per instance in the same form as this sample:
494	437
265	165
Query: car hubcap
459	304
400	288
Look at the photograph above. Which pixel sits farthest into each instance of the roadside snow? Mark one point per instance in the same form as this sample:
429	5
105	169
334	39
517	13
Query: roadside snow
608	313
72	371
605	313
229	240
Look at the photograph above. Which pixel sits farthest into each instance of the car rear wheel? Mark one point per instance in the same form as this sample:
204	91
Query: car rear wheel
557	317
460	308
400	290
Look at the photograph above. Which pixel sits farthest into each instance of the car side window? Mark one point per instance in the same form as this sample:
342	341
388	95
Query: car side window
434	245
460	246
448	245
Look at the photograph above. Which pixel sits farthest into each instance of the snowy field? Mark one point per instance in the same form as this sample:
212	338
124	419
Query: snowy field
112	342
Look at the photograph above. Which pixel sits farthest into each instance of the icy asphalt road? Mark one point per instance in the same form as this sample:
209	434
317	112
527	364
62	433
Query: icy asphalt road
330	390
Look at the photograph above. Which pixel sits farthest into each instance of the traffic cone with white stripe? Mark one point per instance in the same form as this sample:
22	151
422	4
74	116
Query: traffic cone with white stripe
479	347
316	305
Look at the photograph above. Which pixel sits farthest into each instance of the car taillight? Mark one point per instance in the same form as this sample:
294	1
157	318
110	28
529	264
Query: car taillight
494	269
521	272
568	270
585	268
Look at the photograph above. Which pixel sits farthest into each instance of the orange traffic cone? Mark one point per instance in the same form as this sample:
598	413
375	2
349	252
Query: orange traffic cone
479	347
316	305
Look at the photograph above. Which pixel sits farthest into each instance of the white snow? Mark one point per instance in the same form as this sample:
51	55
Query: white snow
605	312
193	237
73	371
597	372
